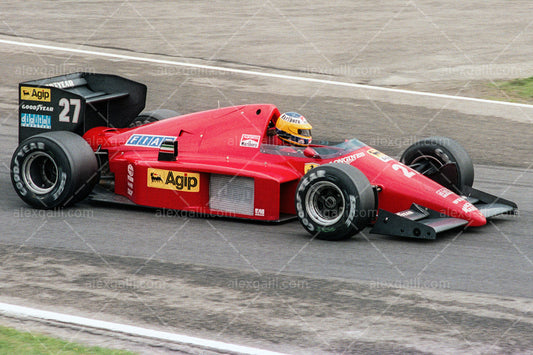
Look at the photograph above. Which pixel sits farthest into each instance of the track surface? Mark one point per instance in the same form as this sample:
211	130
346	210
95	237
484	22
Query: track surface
270	285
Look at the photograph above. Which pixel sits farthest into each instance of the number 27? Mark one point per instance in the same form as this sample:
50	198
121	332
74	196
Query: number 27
66	103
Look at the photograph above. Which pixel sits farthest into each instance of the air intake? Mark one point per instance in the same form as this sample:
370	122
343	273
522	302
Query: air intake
232	194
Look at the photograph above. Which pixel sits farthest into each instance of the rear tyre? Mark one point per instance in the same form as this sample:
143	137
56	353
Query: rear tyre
443	160
334	201
53	169
152	116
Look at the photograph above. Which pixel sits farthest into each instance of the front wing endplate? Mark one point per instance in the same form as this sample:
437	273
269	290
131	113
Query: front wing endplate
416	222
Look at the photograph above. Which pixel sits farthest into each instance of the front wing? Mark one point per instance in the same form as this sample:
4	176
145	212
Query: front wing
423	223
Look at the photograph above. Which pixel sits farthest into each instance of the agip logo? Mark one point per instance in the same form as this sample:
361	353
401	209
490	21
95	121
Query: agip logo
34	94
309	166
173	180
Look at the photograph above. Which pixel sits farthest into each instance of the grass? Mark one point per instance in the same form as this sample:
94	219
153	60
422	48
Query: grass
15	342
517	89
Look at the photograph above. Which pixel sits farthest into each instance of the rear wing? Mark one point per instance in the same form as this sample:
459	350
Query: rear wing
78	102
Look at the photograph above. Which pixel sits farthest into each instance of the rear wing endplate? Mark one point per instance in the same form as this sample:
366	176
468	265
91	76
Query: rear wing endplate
78	102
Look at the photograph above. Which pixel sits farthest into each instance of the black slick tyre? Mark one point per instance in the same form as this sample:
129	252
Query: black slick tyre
334	201
443	160
152	116
53	169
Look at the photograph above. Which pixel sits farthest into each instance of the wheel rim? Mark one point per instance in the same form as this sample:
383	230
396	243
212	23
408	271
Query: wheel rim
325	203
427	164
40	173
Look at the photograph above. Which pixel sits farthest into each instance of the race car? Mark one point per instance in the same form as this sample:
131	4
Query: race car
83	135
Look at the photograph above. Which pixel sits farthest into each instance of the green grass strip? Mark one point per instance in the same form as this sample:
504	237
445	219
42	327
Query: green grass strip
15	342
517	88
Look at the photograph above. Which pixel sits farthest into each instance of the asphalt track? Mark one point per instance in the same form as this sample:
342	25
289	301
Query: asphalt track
271	285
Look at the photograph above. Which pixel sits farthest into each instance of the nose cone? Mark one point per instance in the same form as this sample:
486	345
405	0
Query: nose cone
476	218
469	212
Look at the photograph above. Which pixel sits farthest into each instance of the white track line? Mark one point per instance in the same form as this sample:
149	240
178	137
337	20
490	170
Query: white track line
262	74
13	310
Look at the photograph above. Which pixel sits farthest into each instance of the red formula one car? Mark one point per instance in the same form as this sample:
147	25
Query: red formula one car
82	135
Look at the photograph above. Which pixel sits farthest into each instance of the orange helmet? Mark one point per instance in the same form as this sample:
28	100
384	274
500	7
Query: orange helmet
293	128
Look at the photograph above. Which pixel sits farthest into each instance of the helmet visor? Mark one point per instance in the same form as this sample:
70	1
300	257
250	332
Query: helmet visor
304	132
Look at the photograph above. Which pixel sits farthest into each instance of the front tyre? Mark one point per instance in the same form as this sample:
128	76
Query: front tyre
53	169
442	160
334	201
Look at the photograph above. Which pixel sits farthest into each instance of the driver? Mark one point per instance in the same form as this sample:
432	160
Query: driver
293	128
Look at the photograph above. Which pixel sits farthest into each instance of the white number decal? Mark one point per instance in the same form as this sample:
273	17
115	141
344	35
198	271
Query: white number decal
66	103
404	170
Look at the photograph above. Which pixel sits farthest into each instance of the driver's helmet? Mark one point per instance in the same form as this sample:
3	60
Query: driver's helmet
293	128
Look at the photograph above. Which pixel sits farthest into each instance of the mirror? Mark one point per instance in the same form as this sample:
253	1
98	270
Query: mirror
311	153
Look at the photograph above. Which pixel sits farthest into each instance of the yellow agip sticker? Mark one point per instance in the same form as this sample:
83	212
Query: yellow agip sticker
35	94
173	180
309	166
379	155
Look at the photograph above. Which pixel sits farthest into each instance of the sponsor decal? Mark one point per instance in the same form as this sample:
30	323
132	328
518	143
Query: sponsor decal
167	148
406	213
149	141
34	94
444	192
376	153
37	108
457	200
350	158
309	166
294	117
65	84
260	212
250	140
173	180
468	207
35	121
130	179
